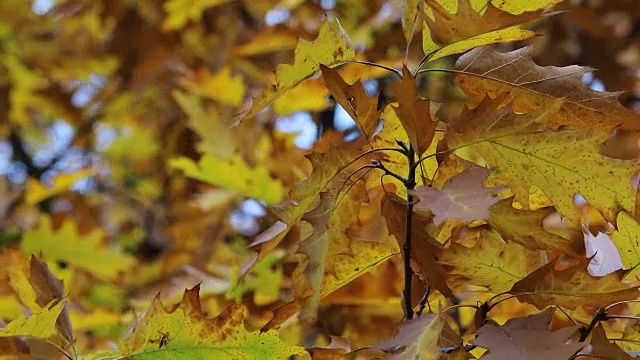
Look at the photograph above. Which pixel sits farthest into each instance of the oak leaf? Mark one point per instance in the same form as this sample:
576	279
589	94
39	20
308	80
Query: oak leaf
462	197
354	100
184	332
461	25
572	287
526	228
423	249
68	246
414	113
524	157
233	174
41	324
329	48
491	263
486	72
527	338
627	241
414	339
180	12
49	289
221	86
602	348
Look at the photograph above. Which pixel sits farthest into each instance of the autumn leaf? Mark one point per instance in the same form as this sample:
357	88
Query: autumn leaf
234	174
335	258
462	25
414	113
604	349
221	86
462	197
68	246
513	340
329	48
572	287
326	166
627	241
49	289
37	192
353	98
486	72
509	34
179	12
526	228
411	14
184	332
424	247
41	324
467	22
417	338
525	158
491	263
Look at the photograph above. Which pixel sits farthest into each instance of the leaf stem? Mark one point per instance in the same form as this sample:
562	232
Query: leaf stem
410	184
395	71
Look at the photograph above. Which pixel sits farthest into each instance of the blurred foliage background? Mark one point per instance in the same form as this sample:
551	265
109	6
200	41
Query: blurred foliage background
97	97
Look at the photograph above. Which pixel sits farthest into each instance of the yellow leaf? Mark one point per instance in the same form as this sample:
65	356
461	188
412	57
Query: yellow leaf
329	48
205	123
509	34
42	324
84	251
310	95
411	11
37	192
179	12
234	174
185	333
572	287
525	157
266	42
492	262
627	240
221	86
133	143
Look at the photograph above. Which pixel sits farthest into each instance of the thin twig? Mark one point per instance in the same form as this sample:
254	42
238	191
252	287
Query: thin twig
410	184
424	301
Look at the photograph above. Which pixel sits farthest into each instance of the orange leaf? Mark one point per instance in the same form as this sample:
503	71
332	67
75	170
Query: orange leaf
414	113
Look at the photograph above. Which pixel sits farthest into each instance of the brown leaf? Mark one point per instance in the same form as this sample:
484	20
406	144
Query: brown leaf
417	337
354	100
339	348
48	288
424	248
488	72
525	228
602	348
462	197
414	113
572	287
526	338
447	28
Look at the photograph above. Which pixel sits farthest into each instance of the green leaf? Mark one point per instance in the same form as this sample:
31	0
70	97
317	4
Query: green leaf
233	174
42	324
